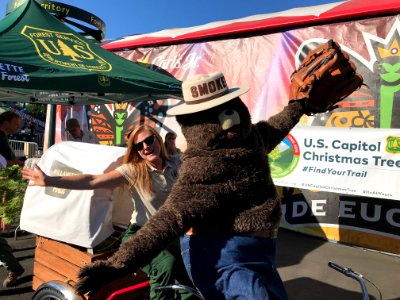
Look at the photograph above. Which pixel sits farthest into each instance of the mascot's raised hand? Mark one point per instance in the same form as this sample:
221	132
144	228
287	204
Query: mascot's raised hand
325	77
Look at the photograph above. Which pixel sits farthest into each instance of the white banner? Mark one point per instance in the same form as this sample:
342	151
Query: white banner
355	161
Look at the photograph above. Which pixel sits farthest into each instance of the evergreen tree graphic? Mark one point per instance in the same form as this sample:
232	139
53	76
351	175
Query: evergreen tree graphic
67	51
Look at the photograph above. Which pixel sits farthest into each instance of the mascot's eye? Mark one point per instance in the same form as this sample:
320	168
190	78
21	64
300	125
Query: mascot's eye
229	112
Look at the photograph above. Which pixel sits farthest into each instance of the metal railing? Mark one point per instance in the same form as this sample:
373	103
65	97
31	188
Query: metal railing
22	148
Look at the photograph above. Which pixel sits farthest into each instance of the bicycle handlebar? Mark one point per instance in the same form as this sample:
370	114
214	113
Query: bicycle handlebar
337	267
352	274
346	271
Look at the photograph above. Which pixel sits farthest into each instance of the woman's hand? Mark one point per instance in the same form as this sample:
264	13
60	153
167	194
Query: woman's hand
35	176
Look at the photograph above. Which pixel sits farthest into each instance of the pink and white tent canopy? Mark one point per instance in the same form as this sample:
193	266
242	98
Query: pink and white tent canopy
296	17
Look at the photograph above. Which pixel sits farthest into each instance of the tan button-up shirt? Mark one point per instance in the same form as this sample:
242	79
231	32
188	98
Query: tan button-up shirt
147	204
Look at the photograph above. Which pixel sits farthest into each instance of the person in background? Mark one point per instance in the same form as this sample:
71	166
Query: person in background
8	260
170	145
31	127
10	123
76	134
150	173
3	162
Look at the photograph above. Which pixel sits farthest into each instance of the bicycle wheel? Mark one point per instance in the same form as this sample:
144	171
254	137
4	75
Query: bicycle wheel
55	290
49	293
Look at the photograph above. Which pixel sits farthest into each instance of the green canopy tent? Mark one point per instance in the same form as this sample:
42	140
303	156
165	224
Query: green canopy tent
43	60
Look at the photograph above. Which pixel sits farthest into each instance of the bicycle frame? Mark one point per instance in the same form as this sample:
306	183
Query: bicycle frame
129	289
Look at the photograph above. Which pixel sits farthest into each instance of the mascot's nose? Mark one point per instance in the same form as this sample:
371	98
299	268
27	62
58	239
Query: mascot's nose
228	118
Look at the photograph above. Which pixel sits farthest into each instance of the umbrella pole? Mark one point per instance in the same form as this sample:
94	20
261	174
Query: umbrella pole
49	138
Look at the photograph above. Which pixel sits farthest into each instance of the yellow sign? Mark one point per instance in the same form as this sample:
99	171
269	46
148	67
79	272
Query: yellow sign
65	49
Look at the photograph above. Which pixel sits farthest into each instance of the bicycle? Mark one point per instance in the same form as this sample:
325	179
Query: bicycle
58	290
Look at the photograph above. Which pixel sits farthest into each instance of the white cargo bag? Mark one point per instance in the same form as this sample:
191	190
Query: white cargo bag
79	217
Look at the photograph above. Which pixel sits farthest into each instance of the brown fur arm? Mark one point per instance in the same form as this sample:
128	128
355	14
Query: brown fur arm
150	240
184	206
274	130
135	253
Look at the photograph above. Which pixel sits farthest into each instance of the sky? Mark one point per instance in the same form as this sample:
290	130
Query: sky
129	17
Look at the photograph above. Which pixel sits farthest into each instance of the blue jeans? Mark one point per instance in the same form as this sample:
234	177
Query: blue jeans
233	267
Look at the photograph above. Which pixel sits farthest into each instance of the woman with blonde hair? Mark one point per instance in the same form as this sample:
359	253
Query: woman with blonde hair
150	173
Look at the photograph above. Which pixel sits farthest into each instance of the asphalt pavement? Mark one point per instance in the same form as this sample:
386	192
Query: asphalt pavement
302	263
24	248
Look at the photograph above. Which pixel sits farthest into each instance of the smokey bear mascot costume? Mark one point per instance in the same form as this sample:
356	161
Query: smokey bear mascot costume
224	199
224	205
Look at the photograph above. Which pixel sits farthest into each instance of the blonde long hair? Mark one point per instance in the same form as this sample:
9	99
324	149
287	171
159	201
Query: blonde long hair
140	172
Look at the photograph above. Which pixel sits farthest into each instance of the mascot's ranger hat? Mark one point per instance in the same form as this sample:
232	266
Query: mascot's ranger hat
203	92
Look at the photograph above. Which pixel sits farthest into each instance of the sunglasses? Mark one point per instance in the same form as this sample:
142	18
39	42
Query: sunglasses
148	141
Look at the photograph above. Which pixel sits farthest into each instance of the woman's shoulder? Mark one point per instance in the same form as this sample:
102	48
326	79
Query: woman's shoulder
124	168
127	171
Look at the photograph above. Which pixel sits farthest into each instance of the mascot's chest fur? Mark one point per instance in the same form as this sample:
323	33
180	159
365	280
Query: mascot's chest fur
226	171
224	166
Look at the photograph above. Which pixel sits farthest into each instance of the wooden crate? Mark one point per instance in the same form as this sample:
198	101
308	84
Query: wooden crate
55	260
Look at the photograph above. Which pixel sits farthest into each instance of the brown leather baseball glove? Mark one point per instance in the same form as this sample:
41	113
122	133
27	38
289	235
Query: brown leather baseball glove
325	77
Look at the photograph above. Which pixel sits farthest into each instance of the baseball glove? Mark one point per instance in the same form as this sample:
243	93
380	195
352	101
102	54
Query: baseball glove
325	77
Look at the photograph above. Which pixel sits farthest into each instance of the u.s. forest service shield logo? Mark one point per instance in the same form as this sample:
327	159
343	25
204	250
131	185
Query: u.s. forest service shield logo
65	49
103	80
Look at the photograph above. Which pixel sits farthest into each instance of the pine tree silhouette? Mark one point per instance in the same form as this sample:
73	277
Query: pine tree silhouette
67	51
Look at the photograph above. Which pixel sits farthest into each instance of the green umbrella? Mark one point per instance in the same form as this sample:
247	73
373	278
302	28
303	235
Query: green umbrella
42	60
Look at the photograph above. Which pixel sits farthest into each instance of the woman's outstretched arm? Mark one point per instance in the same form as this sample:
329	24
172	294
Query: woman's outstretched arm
107	180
